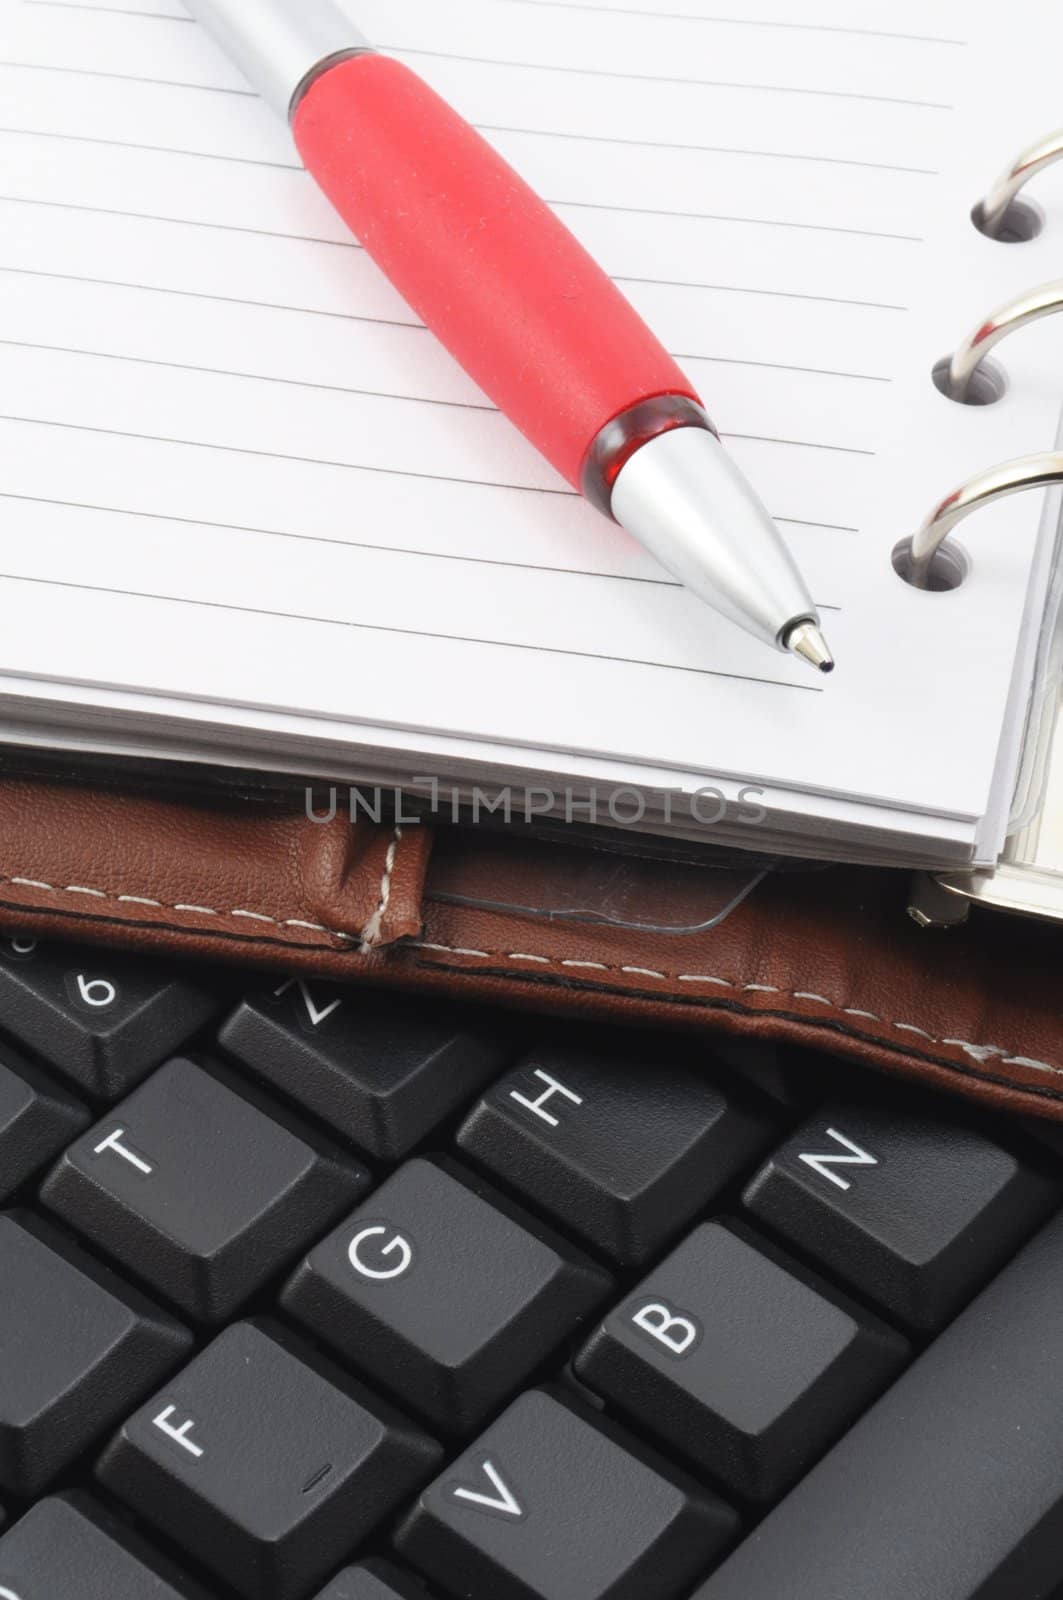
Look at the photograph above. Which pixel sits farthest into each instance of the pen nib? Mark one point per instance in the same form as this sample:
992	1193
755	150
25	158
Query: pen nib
805	640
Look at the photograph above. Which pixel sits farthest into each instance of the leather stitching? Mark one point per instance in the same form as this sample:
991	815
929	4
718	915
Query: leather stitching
186	910
1020	1094
374	928
978	1052
368	940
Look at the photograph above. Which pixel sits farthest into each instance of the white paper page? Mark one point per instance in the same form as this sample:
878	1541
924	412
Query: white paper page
235	470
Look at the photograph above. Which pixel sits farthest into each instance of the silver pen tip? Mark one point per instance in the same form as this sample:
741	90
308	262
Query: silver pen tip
806	641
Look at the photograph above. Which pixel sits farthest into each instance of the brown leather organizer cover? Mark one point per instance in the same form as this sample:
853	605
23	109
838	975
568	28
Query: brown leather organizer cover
826	959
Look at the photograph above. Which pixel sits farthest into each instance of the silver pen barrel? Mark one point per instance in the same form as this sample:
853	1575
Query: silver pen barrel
660	471
280	45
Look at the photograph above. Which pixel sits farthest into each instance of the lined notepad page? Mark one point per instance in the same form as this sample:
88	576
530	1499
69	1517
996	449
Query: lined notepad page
236	473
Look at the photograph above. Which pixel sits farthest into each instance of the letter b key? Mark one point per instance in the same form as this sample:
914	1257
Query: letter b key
678	1334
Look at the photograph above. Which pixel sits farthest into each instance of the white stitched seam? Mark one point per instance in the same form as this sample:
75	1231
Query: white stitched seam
980	1052
451	949
159	905
374	928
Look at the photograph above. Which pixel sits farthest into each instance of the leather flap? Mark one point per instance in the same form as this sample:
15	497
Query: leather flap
827	959
234	871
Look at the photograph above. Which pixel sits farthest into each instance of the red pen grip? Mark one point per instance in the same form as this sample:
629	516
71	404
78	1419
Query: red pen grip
486	263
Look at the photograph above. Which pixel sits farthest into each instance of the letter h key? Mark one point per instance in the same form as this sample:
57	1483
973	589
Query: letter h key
620	1150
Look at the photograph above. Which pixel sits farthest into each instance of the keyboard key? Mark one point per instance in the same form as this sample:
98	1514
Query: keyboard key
547	1505
381	1072
79	1349
375	1580
622	1152
36	1121
950	1487
913	1211
735	1360
197	1190
103	1020
438	1288
69	1548
265	1463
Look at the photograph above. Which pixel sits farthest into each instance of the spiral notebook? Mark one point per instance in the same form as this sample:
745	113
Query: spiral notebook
253	515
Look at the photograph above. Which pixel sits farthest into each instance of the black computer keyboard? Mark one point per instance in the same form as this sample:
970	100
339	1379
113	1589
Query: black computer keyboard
312	1293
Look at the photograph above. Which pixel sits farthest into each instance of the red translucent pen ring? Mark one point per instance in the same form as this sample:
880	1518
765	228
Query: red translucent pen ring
617	442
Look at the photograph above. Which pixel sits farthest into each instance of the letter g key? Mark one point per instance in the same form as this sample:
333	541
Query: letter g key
398	1252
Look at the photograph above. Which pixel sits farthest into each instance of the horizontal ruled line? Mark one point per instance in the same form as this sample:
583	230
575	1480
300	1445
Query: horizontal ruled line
361	544
799	444
779	366
231	227
343	544
180	222
387	322
730	22
648	77
575	205
370	394
219	299
535	133
156	149
524	66
571	5
707	149
410	633
775	294
494	61
128	77
283	455
121	11
250	377
756	222
575	5
831	527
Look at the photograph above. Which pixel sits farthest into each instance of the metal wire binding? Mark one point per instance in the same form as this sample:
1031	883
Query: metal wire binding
992	210
1011	477
1025	308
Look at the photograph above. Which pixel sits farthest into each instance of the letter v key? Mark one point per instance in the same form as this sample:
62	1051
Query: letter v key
503	1502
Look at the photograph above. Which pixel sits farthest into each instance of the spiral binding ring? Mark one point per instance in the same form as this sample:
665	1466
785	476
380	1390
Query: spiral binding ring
1011	477
1008	318
991	212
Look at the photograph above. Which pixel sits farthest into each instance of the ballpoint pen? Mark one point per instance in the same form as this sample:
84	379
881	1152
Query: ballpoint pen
522	306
